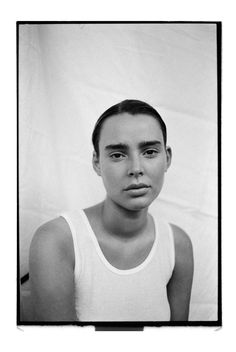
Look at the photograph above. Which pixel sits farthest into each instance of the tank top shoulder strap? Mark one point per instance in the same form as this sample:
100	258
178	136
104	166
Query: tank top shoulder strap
165	243
167	238
76	224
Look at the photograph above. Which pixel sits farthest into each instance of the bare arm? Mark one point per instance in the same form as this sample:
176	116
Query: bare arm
180	284
51	265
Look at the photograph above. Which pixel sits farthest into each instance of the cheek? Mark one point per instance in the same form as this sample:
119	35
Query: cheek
110	175
156	175
157	169
160	173
157	179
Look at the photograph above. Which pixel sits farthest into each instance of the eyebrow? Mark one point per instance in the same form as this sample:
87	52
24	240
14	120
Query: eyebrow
123	146
149	143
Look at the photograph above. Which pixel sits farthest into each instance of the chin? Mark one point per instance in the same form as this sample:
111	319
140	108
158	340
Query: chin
138	204
134	203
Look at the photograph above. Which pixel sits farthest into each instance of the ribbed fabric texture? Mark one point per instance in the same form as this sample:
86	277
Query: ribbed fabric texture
105	293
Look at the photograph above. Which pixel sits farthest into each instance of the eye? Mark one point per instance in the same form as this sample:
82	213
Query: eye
117	156
151	153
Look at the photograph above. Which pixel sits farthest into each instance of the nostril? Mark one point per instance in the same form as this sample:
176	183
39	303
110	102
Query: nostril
136	173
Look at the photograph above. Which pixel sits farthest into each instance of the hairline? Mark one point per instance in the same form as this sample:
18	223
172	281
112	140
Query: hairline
105	118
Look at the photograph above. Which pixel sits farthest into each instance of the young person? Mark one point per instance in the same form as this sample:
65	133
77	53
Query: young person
115	261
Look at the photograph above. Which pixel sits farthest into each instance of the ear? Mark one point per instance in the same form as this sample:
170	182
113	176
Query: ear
168	157
96	164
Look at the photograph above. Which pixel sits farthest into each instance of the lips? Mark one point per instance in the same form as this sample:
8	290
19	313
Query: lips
136	186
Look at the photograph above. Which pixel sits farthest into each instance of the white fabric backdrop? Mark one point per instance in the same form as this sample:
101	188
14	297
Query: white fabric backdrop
69	74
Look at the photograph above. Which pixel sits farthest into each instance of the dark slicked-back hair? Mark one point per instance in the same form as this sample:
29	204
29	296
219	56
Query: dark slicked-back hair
132	107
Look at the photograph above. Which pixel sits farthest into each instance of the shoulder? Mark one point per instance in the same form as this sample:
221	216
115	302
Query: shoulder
183	246
181	238
180	284
51	271
53	239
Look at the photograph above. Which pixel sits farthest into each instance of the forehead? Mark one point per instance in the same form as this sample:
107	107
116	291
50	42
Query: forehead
127	128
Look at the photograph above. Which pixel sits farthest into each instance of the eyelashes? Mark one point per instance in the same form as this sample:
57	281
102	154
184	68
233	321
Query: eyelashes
149	153
117	156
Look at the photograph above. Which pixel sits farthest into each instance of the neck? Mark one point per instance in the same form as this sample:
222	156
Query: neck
123	222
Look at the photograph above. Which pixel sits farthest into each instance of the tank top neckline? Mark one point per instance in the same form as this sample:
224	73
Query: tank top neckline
104	259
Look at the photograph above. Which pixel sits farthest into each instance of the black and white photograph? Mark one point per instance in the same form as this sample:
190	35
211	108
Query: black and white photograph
118	174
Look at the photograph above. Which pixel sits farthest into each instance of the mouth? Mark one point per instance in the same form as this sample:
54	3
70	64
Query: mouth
136	186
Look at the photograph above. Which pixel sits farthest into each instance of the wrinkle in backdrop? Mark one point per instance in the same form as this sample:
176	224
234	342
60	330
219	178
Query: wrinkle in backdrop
69	74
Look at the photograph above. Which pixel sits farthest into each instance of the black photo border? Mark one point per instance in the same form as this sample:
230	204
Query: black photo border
132	325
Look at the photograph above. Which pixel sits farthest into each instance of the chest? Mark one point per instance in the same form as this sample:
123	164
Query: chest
123	251
125	254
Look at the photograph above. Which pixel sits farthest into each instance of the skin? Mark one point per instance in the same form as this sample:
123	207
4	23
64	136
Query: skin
131	151
51	270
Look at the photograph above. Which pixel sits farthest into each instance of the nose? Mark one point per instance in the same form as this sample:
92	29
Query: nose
135	167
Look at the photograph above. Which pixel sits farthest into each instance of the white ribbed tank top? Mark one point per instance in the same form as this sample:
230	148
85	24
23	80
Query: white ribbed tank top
105	293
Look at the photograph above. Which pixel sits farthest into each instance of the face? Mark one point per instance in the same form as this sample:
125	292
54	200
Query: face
132	160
